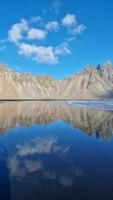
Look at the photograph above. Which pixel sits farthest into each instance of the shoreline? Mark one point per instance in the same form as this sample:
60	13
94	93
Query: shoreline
77	99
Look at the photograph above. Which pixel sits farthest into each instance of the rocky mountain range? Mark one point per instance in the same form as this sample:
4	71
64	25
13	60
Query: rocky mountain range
91	83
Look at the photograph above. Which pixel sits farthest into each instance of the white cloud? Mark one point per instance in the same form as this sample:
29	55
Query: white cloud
40	54
52	26
79	29
27	49
34	33
25	33
69	19
15	33
35	19
44	54
62	49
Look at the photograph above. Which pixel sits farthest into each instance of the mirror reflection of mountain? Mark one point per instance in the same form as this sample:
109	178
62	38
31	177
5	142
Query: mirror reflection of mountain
91	121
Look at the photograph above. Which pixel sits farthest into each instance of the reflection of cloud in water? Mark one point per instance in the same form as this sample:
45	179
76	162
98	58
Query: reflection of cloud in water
19	166
68	179
38	145
33	166
31	159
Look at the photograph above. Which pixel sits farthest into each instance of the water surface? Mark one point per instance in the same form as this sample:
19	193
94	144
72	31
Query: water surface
55	151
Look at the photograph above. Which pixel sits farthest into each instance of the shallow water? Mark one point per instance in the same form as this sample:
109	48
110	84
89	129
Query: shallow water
100	104
55	151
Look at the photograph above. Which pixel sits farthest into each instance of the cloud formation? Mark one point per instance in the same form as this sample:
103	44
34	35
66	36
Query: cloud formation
35	19
31	37
40	54
69	19
52	26
31	159
34	33
79	29
15	33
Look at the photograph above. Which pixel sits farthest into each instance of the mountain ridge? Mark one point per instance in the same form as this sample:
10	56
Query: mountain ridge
90	83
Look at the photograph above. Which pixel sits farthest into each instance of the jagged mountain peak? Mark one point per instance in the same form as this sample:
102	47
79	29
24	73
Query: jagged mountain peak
107	63
89	69
90	83
105	66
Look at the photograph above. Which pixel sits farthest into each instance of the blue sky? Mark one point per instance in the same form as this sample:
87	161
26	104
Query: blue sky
55	37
